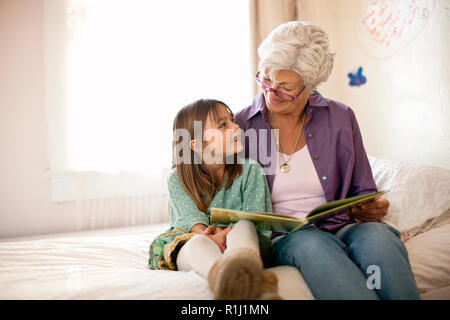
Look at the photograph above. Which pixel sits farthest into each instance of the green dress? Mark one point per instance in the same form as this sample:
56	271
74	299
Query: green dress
249	192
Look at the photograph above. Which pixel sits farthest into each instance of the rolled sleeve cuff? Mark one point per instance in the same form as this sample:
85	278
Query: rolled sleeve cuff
188	225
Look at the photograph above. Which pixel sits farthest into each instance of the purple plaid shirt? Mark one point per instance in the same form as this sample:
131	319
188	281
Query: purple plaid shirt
335	145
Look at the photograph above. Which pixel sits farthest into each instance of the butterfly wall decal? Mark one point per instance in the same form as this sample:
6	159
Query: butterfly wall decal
357	78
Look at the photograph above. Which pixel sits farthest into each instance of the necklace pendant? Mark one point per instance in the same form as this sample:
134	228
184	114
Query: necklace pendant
285	168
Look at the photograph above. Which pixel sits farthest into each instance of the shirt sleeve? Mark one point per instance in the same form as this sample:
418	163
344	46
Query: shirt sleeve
184	212
255	190
362	178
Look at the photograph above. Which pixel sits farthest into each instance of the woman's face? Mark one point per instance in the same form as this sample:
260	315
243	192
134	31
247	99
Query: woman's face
289	82
222	137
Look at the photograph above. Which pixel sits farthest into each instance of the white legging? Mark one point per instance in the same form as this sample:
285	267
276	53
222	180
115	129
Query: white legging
200	252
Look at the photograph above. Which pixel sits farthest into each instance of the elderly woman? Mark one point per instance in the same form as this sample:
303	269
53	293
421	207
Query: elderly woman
316	155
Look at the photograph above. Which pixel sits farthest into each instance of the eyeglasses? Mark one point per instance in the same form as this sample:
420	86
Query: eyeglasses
280	94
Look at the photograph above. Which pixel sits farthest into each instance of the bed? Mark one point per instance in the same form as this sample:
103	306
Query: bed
112	263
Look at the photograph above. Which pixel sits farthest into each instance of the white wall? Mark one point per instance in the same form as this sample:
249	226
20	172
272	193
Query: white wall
403	110
25	206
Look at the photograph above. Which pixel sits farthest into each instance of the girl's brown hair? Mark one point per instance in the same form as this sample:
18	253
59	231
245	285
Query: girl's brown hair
195	178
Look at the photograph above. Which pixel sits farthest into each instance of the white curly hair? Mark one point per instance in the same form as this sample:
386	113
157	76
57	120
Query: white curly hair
300	47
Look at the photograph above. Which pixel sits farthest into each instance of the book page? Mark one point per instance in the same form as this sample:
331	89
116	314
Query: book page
265	221
339	206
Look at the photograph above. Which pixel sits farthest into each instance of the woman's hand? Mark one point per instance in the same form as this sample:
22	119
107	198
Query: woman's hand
372	211
218	235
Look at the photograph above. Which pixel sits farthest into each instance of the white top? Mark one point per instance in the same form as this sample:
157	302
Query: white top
298	191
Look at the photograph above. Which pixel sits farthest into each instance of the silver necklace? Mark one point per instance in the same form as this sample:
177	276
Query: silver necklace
285	167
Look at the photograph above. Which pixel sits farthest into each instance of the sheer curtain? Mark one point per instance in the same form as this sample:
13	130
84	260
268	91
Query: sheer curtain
117	71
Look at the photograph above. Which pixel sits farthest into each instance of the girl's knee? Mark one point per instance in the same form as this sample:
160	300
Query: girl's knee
247	224
199	241
198	245
198	254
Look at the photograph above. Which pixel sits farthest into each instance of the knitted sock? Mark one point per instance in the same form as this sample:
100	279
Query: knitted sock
269	286
237	275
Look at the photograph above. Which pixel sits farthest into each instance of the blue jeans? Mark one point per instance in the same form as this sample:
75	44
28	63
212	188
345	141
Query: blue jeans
363	261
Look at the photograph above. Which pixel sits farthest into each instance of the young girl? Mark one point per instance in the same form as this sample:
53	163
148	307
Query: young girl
206	173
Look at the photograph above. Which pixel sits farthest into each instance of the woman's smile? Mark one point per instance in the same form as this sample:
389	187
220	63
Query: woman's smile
274	101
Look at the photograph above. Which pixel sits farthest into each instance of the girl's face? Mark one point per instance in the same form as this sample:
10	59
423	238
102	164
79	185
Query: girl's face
222	137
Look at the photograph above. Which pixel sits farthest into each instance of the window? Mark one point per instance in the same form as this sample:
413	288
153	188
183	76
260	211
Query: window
119	70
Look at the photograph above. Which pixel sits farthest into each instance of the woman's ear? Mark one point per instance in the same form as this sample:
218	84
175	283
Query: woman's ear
196	147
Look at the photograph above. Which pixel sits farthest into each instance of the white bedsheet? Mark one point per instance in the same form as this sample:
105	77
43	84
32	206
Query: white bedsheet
105	264
109	264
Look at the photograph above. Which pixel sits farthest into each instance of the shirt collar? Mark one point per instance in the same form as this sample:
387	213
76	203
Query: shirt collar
259	103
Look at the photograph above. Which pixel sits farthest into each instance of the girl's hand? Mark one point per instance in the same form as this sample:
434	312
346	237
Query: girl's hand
212	230
372	211
218	235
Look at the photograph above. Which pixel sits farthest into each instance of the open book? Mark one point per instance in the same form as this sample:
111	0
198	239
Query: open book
286	224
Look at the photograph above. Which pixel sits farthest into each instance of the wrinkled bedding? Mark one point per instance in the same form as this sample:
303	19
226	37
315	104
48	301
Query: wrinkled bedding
108	264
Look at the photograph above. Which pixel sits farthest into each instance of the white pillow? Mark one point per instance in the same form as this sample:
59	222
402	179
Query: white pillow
417	192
